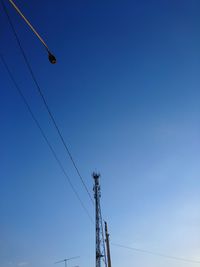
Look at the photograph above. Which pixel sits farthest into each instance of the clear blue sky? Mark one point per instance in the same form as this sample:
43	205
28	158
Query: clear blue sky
125	93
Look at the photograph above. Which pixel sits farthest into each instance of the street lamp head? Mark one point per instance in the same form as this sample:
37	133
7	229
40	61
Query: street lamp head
52	58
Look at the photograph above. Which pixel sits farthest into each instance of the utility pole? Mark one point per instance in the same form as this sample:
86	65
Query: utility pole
107	245
97	195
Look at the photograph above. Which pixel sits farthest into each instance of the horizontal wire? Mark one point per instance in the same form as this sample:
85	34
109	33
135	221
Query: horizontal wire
156	253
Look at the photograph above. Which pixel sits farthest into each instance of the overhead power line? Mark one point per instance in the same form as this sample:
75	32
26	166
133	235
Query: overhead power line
40	91
156	253
44	136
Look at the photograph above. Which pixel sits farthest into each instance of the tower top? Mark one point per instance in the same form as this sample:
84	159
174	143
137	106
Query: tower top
96	175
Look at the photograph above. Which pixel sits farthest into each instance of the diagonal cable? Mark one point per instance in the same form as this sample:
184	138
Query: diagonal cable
40	91
44	136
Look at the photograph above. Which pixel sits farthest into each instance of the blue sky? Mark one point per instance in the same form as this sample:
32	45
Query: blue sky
125	94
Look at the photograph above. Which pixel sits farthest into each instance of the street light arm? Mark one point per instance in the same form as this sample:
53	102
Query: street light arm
28	23
51	57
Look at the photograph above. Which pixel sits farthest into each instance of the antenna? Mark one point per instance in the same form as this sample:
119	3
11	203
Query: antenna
66	260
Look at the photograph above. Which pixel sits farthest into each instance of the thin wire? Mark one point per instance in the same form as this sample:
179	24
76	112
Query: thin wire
156	253
45	102
44	135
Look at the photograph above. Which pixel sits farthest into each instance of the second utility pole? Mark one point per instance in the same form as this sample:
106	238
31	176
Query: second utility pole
107	245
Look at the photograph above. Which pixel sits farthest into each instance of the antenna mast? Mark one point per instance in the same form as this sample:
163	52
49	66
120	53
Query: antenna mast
97	195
